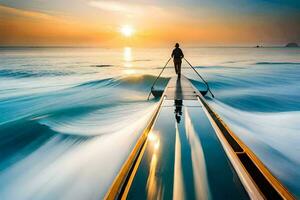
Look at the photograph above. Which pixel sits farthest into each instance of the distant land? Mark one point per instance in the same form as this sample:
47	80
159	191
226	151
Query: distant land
292	44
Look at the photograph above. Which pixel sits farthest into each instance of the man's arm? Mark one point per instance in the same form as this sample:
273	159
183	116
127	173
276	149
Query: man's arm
182	56
172	55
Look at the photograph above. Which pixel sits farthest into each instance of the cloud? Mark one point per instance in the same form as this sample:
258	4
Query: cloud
116	6
25	27
14	12
128	8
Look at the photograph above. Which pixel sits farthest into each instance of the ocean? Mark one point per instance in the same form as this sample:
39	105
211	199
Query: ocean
70	116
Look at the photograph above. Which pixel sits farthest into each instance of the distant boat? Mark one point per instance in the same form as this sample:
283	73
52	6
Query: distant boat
292	44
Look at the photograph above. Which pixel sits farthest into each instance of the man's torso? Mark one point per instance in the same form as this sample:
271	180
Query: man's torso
177	53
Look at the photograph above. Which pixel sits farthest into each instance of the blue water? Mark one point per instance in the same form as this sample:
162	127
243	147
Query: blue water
70	116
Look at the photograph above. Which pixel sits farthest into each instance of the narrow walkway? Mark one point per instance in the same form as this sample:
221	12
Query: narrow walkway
183	158
188	152
180	89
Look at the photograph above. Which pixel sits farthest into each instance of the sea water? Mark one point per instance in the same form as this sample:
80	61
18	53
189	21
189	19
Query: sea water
69	117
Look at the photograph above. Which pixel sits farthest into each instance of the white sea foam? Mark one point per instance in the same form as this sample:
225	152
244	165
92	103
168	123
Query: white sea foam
70	169
274	137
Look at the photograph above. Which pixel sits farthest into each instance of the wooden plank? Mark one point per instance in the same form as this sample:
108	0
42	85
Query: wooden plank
180	89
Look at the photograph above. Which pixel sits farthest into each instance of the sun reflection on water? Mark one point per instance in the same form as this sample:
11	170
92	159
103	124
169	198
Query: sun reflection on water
129	71
154	189
127	57
127	54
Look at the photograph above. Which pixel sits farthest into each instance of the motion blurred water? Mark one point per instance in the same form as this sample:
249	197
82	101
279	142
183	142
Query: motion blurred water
70	116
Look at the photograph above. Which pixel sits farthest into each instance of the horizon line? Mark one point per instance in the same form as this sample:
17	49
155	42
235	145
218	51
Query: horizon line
106	47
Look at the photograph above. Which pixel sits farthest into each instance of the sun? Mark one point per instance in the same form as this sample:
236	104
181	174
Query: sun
127	30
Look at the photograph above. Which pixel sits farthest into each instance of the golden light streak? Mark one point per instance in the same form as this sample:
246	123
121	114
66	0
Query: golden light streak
127	54
154	189
127	57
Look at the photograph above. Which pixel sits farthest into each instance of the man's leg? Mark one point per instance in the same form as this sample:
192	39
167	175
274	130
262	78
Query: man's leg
176	67
179	69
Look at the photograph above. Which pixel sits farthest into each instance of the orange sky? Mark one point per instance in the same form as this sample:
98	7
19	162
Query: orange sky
154	26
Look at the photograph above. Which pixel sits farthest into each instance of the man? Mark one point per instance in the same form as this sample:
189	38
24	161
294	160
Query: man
177	55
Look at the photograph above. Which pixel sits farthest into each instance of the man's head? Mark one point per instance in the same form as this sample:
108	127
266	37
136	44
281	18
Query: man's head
176	45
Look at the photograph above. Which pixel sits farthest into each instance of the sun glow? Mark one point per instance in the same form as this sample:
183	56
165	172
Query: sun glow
127	30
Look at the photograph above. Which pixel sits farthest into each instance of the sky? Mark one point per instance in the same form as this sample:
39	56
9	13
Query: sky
149	23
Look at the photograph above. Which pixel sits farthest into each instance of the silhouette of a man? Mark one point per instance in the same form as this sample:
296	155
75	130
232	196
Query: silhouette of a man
177	55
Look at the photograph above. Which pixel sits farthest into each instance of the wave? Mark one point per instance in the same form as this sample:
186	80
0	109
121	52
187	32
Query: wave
277	63
76	99
98	121
101	82
139	82
141	60
217	67
28	137
142	81
270	136
33	73
102	66
198	84
236	61
55	166
93	125
262	93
